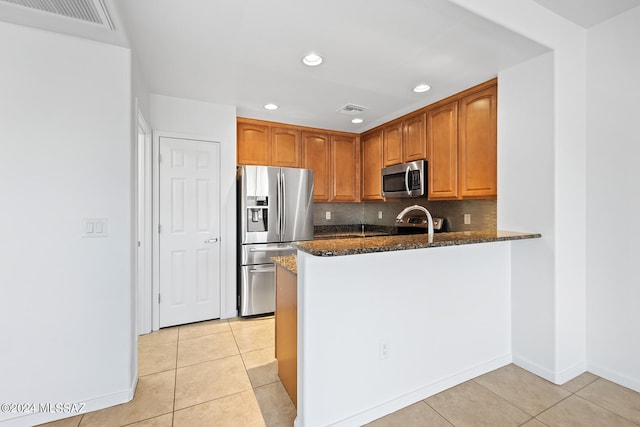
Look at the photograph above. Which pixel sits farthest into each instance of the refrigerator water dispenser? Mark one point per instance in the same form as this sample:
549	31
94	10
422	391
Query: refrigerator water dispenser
257	218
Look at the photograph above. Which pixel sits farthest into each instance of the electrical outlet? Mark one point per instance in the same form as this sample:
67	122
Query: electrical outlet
327	215
467	219
384	350
379	214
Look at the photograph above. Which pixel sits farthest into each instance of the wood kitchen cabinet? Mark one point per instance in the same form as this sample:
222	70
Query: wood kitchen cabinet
333	156
392	144
345	169
477	144
371	161
335	164
316	150
442	149
286	330
414	146
285	147
254	146
260	143
405	141
457	135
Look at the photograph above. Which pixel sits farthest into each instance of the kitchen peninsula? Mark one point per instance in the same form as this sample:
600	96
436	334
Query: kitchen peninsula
384	322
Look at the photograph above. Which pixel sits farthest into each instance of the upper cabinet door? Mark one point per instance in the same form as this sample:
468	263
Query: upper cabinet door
315	153
392	144
371	155
442	148
253	144
478	144
285	147
345	169
414	146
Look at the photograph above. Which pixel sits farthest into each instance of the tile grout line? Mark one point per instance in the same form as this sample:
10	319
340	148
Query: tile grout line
571	393
209	401
175	381
552	406
146	419
177	342
510	403
607	409
575	393
436	411
246	370
207	334
253	389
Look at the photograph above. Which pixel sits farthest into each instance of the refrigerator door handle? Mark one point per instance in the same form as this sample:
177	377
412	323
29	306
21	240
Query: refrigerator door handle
284	248
263	270
283	217
279	206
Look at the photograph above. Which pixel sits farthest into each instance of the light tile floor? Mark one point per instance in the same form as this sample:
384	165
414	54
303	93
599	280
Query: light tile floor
223	373
216	373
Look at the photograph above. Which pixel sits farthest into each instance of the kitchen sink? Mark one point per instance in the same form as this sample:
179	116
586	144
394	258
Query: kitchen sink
412	230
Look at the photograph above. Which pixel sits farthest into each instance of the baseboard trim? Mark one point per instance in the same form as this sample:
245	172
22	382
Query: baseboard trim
421	393
549	375
570	373
615	376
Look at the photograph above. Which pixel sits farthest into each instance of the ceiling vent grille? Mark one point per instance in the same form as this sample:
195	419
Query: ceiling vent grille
351	109
93	11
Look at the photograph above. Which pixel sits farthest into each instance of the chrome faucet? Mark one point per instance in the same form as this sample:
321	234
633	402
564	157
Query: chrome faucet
406	210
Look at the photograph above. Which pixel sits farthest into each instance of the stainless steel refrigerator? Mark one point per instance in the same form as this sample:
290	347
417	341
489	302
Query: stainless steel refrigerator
275	208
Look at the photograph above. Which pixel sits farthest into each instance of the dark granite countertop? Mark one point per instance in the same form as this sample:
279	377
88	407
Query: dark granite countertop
289	263
363	245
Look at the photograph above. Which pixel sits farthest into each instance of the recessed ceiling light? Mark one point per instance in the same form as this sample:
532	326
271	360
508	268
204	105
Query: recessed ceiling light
271	106
422	87
312	60
357	121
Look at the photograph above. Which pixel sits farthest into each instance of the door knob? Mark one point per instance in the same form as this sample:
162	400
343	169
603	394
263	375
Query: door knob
211	240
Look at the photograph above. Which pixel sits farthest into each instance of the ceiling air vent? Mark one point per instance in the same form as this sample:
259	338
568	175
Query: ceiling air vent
351	109
93	11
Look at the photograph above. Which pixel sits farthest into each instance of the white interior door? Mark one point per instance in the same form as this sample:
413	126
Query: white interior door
189	242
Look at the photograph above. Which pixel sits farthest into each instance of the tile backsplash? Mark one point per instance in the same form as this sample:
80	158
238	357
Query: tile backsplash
483	213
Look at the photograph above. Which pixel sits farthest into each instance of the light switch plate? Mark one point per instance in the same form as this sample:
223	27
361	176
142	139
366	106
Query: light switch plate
94	227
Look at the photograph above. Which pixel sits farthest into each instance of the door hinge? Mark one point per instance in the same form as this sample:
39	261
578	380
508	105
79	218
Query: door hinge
159	158
158	228
158	298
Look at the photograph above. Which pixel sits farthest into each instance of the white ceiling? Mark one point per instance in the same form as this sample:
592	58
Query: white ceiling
248	52
588	13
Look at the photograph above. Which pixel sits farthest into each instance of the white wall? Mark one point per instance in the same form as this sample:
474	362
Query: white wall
140	90
613	201
443	325
568	263
216	123
527	202
66	307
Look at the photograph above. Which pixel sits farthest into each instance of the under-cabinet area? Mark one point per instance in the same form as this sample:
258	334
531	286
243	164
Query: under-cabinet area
457	136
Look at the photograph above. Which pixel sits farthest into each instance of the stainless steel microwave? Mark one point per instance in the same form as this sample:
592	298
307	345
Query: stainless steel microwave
405	180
